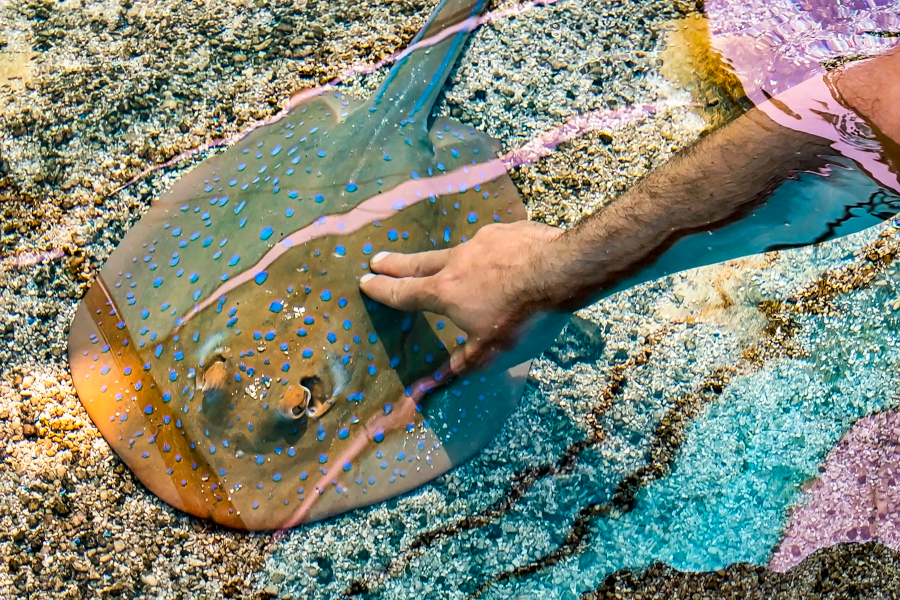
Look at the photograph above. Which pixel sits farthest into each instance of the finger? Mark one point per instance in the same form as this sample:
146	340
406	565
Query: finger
407	293
420	264
468	357
458	363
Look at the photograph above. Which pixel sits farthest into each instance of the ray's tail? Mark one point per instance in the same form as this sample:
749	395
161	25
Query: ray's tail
413	84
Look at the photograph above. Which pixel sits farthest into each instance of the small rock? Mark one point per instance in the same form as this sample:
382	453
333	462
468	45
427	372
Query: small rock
150	580
81	567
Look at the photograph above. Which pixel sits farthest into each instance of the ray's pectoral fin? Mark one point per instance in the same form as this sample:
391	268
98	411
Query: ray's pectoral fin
475	138
407	339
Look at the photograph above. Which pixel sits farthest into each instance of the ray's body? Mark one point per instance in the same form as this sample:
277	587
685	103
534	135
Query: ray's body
225	351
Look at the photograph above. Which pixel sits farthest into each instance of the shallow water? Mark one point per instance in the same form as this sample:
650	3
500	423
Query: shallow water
680	423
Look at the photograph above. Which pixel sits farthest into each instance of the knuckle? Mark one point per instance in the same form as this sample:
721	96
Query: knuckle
402	262
430	298
474	355
419	269
442	284
394	263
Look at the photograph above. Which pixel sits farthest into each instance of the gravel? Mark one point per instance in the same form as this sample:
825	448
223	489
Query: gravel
651	386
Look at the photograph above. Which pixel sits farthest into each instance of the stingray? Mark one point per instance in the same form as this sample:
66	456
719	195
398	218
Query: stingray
226	354
224	350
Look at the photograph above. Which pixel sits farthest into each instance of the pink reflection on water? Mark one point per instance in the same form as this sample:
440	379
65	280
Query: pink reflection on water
810	107
31	259
857	497
773	45
605	120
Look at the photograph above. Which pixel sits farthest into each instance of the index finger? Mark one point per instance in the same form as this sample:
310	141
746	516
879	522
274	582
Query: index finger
419	264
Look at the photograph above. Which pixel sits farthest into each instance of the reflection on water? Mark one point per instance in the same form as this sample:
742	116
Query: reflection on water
844	183
773	46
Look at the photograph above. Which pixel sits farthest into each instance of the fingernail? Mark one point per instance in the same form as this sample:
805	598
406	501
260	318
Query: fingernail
366	277
379	256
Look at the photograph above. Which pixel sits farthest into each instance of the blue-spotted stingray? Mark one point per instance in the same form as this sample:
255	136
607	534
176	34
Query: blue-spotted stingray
225	351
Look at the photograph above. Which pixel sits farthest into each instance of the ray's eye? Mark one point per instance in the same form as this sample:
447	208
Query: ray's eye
213	375
320	399
293	403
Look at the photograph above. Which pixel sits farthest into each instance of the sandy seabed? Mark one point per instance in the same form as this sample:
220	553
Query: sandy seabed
92	93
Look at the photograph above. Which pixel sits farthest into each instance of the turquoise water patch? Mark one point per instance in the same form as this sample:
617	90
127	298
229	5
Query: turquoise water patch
740	468
745	458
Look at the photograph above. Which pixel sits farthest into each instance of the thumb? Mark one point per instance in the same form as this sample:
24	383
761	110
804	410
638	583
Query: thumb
469	356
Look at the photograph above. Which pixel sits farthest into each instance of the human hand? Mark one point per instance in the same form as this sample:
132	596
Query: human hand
494	287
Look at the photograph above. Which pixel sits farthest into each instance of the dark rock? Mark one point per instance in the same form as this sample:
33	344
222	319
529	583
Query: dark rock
326	571
580	341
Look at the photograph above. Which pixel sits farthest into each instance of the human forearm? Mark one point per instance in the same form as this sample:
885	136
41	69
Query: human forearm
715	182
725	177
722	198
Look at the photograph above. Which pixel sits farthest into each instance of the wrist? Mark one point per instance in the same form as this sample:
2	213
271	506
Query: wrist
541	275
559	278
